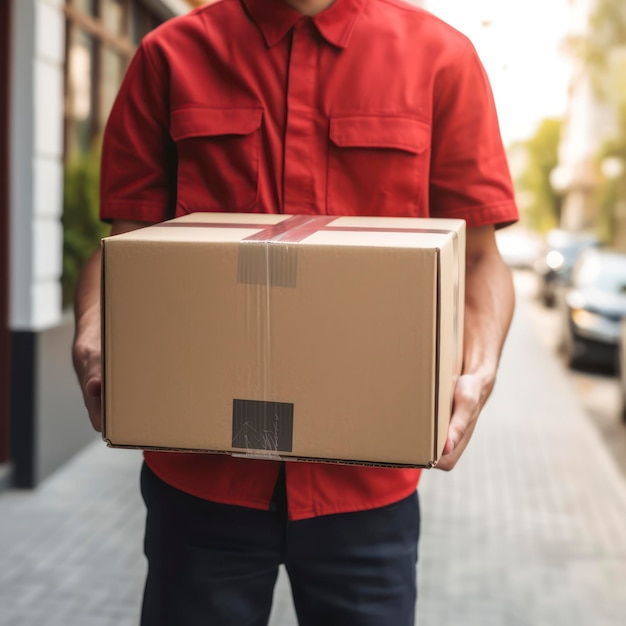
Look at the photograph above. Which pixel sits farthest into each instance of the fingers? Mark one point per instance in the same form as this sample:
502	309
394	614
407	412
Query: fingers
450	459
467	405
94	408
93	401
88	369
94	387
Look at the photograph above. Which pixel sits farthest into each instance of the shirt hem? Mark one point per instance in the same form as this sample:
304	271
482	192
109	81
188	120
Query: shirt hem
248	502
299	514
319	511
129	209
499	214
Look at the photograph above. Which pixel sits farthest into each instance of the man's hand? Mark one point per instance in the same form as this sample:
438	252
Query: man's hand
89	374
470	395
87	363
86	349
489	300
86	352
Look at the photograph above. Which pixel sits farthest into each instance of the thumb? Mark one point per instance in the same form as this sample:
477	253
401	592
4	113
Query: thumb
93	387
449	446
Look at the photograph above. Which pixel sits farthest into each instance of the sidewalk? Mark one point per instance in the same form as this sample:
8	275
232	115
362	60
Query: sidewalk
529	530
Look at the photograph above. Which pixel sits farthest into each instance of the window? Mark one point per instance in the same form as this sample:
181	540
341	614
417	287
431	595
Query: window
102	36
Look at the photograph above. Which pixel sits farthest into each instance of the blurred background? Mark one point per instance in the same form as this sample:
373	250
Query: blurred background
530	528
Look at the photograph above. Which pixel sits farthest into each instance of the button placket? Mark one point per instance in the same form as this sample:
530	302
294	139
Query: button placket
299	167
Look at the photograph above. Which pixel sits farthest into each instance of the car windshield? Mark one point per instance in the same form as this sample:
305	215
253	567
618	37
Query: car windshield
606	272
571	252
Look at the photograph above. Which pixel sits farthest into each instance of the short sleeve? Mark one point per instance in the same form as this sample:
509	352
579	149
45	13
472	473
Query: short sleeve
470	176
138	173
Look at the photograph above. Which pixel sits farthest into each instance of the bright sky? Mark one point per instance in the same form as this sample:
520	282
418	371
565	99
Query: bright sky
520	45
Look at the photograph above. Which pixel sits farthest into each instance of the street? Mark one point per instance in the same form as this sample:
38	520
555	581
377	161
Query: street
598	393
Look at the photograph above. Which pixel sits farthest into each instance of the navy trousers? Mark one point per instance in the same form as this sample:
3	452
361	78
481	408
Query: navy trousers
216	565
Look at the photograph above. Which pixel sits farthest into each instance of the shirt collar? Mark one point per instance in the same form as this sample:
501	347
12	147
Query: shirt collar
275	18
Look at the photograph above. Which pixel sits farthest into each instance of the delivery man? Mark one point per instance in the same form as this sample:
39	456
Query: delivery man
351	107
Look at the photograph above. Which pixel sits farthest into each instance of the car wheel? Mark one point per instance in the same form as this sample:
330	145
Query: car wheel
548	299
547	295
621	369
573	349
622	396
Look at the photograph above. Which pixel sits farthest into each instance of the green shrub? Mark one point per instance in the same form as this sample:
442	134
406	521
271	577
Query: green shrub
82	229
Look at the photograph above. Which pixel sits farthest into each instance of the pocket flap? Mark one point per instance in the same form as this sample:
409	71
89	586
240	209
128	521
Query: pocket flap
400	133
209	122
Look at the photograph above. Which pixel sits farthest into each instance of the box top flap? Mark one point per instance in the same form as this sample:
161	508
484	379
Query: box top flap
318	229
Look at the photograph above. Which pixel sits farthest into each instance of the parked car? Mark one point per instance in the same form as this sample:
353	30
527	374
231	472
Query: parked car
593	308
555	266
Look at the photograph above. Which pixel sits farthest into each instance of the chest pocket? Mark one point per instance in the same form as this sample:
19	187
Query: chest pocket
378	165
218	158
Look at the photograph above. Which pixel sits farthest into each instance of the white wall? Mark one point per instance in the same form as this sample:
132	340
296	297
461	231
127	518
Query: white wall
36	163
36	159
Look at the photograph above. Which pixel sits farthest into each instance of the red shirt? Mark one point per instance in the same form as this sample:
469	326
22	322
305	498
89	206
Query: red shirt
373	107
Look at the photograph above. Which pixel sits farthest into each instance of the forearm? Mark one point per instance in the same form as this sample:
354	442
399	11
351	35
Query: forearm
489	304
87	296
86	351
87	304
489	301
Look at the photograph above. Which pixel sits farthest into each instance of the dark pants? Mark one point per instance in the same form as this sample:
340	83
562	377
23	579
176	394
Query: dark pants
215	565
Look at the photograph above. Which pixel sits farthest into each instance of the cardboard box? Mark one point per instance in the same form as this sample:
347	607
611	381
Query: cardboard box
295	337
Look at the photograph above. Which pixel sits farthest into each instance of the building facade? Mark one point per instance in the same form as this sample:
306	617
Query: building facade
589	123
61	63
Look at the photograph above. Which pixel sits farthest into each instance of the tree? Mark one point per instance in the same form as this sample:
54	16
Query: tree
81	224
606	36
542	205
